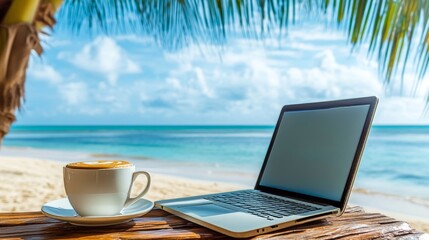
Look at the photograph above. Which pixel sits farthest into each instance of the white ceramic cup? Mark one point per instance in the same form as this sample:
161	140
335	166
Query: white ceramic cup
101	192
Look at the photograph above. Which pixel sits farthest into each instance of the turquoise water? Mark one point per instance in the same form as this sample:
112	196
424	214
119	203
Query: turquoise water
223	145
396	158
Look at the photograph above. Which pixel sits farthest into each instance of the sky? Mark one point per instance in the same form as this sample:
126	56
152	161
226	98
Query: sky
130	80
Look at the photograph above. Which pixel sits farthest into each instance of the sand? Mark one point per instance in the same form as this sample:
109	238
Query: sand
26	183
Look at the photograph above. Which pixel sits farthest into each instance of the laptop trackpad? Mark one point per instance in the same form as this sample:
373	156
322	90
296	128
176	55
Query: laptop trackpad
205	210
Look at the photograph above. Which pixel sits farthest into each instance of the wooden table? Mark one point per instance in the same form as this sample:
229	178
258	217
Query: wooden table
157	224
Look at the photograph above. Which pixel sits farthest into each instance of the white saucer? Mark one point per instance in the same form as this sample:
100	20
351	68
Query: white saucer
61	209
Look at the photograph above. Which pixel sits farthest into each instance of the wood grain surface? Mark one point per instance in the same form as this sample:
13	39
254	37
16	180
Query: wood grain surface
158	224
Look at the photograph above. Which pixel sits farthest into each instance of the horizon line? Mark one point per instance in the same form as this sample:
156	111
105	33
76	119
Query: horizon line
186	125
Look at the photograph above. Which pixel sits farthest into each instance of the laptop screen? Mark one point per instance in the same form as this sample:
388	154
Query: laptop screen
313	151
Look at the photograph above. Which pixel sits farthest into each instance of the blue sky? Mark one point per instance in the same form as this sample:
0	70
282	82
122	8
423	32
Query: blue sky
129	79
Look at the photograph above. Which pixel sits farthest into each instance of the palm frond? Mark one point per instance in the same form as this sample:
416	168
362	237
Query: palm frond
391	27
175	23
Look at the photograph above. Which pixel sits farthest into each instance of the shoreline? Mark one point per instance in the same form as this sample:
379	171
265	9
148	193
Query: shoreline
205	171
36	186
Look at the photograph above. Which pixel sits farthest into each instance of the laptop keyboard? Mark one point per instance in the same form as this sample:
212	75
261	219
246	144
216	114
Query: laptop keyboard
262	205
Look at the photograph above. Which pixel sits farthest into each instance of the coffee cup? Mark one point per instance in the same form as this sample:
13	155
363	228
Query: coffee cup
101	188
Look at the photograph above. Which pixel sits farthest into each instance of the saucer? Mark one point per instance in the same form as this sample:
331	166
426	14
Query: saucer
61	209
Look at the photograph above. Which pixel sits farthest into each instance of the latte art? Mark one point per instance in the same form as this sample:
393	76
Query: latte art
99	165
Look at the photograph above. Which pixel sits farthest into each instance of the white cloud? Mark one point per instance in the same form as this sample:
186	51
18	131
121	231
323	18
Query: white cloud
318	33
246	84
104	56
74	93
329	79
43	71
199	74
400	110
248	81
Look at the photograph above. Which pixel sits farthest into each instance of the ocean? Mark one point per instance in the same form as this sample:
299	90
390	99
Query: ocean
395	161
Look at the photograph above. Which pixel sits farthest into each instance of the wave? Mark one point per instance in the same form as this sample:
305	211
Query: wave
412	199
116	133
107	155
221	135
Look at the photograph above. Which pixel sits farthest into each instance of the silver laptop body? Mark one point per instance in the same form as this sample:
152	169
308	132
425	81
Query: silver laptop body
307	174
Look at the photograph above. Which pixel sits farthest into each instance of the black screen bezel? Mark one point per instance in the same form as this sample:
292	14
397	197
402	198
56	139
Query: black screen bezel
371	101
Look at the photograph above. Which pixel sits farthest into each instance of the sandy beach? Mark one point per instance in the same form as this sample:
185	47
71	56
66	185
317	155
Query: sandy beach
26	183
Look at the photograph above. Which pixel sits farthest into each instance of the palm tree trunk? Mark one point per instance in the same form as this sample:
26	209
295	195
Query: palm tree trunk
17	41
18	36
6	119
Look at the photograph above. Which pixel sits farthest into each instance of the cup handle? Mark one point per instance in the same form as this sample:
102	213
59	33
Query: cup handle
131	200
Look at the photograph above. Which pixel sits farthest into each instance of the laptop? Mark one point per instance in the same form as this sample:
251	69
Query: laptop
307	174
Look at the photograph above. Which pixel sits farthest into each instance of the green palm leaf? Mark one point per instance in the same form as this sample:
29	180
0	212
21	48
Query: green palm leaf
394	29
